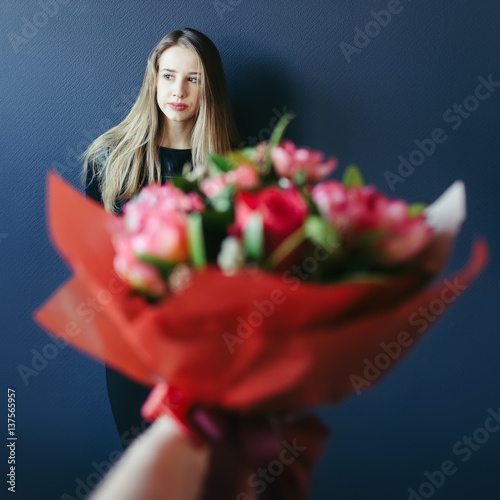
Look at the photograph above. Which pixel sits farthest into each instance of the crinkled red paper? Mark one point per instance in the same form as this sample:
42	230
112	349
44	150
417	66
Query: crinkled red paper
303	353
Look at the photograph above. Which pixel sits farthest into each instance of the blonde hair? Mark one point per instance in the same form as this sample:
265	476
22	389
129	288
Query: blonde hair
132	144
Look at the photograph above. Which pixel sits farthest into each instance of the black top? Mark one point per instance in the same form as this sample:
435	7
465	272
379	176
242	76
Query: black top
171	160
125	395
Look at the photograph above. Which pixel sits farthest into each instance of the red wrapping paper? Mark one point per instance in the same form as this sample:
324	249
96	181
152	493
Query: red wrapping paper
305	343
315	333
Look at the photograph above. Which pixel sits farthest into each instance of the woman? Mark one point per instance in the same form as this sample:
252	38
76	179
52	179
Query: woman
182	111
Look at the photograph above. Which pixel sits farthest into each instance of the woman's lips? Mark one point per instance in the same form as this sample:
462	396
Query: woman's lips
177	107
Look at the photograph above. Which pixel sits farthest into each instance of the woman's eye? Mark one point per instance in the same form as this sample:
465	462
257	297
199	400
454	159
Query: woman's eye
168	76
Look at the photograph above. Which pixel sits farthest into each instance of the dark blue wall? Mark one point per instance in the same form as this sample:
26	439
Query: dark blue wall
76	74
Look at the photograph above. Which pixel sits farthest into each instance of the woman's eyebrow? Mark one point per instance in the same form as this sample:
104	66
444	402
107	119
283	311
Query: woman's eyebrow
173	71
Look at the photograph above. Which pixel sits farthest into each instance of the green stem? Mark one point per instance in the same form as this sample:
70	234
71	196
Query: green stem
286	247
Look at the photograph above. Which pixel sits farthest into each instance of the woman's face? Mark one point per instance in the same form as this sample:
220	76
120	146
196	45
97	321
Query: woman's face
178	82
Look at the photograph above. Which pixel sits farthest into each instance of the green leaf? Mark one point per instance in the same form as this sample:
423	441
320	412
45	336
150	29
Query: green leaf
286	247
416	209
163	267
321	233
352	177
248	152
236	158
371	238
213	219
300	178
184	184
277	135
220	162
253	237
223	202
196	242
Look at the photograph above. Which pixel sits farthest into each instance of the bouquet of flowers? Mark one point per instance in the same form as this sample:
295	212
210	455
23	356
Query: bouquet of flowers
252	289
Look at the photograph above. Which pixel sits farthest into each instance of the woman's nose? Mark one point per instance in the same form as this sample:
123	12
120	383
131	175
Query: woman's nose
179	89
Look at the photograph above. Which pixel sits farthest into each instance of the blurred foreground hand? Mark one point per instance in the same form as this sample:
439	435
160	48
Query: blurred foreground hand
161	464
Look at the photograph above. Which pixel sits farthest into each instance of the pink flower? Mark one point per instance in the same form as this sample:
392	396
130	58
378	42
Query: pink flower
357	211
193	203
244	177
288	161
350	210
139	275
154	224
406	241
165	198
213	186
163	236
283	211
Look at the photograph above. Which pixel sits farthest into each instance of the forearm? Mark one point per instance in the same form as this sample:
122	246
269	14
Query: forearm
161	464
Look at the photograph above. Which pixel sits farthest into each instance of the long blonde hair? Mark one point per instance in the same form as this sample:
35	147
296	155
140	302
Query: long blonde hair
132	144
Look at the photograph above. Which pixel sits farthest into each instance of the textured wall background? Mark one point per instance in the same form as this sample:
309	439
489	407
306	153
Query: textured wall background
71	69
